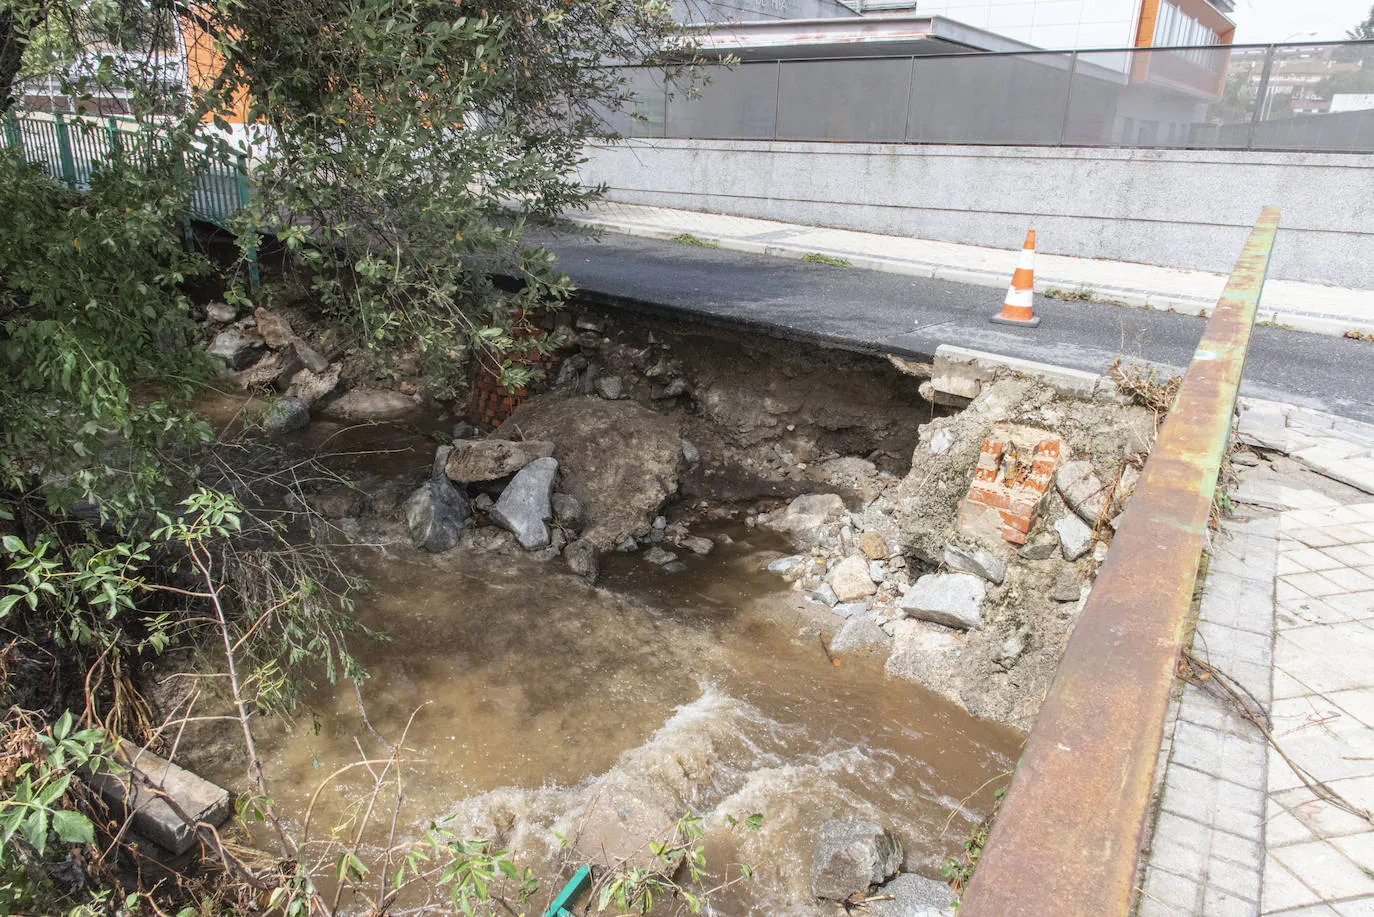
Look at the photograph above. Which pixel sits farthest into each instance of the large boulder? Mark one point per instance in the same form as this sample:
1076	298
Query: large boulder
952	599
286	415
310	386
362	404
805	515
474	460
526	505
236	348
853	856
436	514
618	458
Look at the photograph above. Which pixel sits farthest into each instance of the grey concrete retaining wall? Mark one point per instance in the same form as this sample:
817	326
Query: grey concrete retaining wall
1180	208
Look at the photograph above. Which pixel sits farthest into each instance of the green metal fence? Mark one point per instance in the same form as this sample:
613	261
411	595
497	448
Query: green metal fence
72	148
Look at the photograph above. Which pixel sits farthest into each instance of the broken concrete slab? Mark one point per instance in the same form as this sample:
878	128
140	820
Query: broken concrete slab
960	373
978	562
952	599
165	802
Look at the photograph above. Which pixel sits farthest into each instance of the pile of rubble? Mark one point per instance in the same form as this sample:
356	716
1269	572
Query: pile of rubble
970	572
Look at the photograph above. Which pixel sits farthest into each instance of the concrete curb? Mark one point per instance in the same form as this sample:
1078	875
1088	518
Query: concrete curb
1313	323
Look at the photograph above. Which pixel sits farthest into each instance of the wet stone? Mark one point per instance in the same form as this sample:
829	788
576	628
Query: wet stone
436	514
238	350
525	506
583	558
853	856
567	509
286	415
785	565
657	555
860	632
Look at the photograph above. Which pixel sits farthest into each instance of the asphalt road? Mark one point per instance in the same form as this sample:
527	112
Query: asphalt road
879	312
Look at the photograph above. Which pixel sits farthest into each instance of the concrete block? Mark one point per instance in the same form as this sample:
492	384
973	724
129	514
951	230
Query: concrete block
152	791
961	371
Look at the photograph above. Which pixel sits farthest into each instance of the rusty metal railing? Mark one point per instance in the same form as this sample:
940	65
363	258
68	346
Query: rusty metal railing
1070	830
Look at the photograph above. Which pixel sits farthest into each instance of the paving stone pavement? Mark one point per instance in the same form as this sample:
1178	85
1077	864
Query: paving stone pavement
1287	610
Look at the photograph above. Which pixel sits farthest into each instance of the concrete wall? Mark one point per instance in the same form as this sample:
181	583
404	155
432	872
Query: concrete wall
1178	208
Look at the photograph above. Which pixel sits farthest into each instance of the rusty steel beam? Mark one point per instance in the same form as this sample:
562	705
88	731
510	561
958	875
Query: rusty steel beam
1070	830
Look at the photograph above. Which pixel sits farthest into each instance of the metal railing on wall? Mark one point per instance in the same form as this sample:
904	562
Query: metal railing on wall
1316	97
72	148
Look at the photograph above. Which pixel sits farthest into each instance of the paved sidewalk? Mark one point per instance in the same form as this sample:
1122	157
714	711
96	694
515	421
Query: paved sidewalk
1302	306
1287	611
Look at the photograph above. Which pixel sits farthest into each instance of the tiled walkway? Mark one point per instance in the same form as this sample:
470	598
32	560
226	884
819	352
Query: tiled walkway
1288	612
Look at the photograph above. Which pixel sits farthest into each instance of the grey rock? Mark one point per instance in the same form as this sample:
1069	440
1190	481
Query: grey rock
314	361
1067	587
1040	548
657	555
464	430
912	896
436	514
696	544
567	509
951	599
976	561
220	313
310	386
583	558
877	571
805	515
674	389
626	544
286	415
825	595
1074	537
610	387
851	857
236	349
675	566
785	565
690	454
526	504
588	322
363	404
849	609
149	801
1082	490
1011	650
474	460
1245	457
275	330
482	502
860	632
851	580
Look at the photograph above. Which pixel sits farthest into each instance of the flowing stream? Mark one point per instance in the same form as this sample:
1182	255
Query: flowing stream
520	690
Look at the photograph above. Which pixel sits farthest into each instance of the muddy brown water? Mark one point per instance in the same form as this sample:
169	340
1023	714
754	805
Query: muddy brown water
524	689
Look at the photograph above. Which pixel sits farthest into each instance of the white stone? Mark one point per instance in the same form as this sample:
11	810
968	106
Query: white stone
851	580
980	563
951	599
1074	537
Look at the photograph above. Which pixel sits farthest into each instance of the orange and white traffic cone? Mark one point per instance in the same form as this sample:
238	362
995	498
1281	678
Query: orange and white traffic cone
1019	307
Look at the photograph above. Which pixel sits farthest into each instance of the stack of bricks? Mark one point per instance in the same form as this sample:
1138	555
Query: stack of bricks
489	404
1009	486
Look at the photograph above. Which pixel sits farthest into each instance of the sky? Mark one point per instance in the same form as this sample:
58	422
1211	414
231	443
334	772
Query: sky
1287	20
